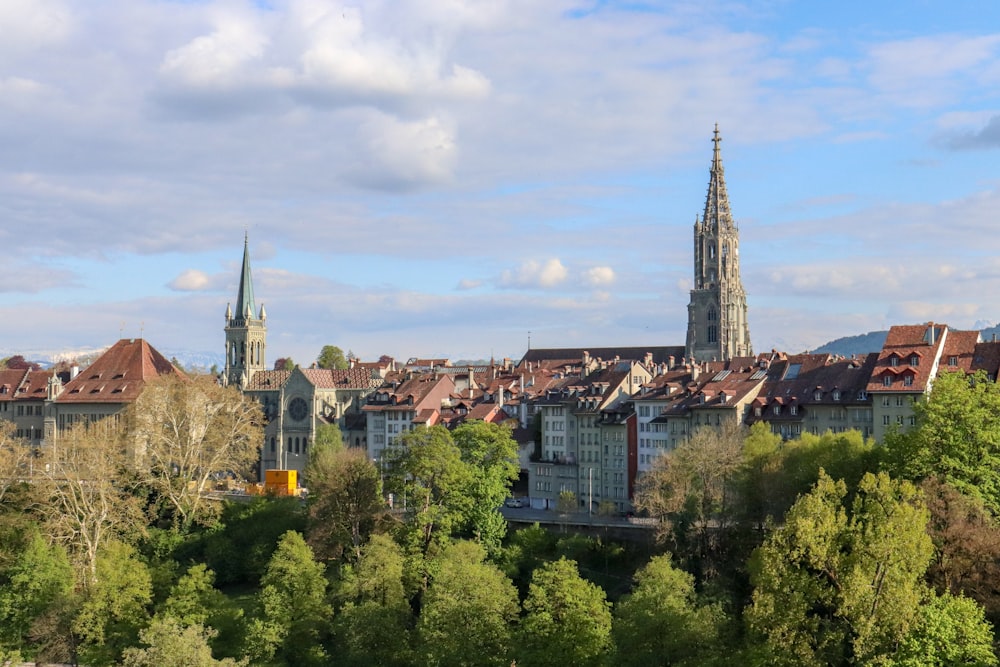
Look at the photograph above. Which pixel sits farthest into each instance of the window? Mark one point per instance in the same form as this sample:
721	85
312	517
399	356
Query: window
908	380
899	401
713	334
795	410
899	419
817	395
894	361
776	409
885	420
885	401
914	360
887	380
836	394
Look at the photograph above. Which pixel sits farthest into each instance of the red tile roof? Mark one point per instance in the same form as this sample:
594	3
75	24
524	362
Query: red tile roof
118	375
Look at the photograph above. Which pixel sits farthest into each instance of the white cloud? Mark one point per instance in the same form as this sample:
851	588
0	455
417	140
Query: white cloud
191	280
467	284
599	275
399	155
532	274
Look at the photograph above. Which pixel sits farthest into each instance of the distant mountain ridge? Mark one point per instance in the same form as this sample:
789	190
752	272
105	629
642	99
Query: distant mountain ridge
862	344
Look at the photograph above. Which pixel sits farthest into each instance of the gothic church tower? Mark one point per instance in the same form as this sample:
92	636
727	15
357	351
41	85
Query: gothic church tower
717	313
246	332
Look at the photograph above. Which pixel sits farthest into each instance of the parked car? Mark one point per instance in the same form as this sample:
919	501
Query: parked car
516	502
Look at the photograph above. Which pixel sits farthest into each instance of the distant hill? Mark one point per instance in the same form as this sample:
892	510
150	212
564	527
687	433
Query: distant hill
850	346
873	340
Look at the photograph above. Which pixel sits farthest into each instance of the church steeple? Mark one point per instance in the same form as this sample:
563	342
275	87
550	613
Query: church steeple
245	306
246	332
717	313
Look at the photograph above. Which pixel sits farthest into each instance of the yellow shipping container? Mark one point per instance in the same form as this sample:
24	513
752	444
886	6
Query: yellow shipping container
281	482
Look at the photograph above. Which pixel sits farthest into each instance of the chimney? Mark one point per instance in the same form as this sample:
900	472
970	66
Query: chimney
74	370
695	371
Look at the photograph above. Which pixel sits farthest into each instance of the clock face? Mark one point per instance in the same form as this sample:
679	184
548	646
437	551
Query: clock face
298	409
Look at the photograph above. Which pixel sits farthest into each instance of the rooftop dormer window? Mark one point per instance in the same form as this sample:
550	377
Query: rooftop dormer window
953	360
894	361
836	394
914	360
886	380
817	395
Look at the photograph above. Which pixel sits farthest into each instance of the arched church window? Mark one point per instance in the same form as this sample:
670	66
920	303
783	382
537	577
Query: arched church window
713	334
712	315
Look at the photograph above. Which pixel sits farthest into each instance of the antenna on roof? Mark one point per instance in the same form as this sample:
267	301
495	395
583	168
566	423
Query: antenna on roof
142	328
529	340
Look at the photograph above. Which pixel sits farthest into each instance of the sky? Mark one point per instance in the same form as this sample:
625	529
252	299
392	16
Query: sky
460	178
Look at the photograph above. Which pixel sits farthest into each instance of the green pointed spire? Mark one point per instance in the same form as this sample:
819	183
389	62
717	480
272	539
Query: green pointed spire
246	309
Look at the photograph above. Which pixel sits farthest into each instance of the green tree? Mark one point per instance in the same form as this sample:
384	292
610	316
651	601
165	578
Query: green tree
832	587
294	614
566	503
469	603
567	619
437	483
169	643
774	474
331	357
187	432
374	623
194	600
491	453
345	501
328	435
661	623
39	579
949	631
114	605
956	438
284	364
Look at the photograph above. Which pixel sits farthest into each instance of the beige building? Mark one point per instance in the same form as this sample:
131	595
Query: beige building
42	406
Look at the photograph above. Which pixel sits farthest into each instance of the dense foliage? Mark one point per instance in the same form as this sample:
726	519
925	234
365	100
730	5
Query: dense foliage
826	550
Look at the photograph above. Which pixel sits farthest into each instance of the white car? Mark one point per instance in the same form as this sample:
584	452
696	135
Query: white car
516	502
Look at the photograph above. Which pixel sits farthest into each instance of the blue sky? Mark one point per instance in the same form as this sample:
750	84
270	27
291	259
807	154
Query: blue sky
442	177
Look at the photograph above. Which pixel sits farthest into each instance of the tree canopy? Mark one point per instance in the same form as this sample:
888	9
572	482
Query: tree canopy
331	357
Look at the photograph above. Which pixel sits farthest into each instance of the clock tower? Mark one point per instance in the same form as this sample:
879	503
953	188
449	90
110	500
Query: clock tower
717	314
246	331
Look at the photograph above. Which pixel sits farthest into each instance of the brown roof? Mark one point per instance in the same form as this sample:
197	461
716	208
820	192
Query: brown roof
265	380
903	343
10	381
118	375
351	378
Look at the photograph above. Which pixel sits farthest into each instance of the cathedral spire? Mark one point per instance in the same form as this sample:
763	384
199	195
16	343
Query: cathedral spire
245	307
717	216
717	313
